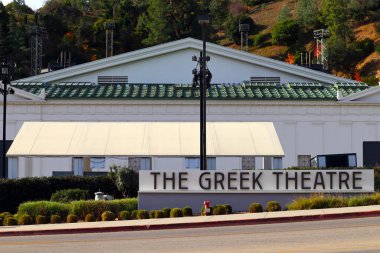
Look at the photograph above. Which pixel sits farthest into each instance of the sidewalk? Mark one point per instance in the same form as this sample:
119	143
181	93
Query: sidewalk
192	222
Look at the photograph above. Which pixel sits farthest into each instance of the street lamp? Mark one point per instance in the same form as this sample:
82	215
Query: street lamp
202	78
5	91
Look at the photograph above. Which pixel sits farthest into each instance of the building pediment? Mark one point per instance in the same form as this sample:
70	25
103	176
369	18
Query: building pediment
171	63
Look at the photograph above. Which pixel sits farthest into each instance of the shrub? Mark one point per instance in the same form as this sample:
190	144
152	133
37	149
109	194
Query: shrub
228	208
96	208
10	221
232	26
166	211
54	219
134	214
273	206
125	179
362	201
4	215
41	219
255	208
142	214
41	188
108	216
187	211
72	218
124	215
159	214
1	221
45	208
219	210
89	218
203	210
285	32
176	212
69	195
25	219
152	213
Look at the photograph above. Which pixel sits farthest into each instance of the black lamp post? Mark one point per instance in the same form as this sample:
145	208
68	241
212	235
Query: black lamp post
202	78
5	91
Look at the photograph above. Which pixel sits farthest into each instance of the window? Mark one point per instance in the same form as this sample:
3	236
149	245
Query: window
112	80
277	163
78	166
12	167
195	163
248	162
304	160
192	163
321	161
97	163
352	161
140	163
145	163
211	163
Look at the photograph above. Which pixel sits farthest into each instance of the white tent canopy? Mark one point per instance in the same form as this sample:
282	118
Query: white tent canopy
144	139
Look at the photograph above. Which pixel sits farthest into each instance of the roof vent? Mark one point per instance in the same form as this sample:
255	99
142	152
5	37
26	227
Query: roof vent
112	80
265	79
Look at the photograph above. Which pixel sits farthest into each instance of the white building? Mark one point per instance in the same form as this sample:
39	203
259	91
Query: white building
313	112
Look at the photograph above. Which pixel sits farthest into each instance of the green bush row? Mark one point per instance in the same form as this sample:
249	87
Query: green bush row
328	201
13	192
78	208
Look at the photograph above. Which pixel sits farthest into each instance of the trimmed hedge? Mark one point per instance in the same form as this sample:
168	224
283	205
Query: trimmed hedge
273	206
25	219
72	218
327	201
45	208
219	210
124	215
69	195
54	219
187	211
142	214
10	221
176	212
41	219
89	218
13	192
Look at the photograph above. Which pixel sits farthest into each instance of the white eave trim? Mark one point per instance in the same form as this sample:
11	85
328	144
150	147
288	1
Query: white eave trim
361	94
179	45
27	95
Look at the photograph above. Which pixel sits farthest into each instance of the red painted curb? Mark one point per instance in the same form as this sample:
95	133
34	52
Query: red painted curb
195	225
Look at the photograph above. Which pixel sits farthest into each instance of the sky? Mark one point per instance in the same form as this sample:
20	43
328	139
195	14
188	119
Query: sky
34	4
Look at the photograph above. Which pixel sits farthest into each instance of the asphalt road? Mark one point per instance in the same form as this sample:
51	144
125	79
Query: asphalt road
333	236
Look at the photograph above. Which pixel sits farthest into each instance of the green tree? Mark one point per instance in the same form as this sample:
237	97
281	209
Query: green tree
232	26
125	180
307	14
4	31
285	32
284	14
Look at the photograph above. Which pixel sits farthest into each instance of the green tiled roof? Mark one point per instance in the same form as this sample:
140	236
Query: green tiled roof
245	91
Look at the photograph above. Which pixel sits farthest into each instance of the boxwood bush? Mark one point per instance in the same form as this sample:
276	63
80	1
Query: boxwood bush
71	218
273	206
54	219
124	215
176	212
45	208
142	214
166	211
10	221
89	218
25	219
108	216
219	210
159	214
41	219
255	208
187	211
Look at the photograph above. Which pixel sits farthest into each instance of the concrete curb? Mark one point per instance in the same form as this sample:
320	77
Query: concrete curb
360	214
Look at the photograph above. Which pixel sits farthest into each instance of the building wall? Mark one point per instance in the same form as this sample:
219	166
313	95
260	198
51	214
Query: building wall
304	128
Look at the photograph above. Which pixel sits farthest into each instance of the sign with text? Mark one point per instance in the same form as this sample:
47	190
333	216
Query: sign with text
248	181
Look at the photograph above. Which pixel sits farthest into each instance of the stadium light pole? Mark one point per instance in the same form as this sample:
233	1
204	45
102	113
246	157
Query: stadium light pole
203	20
5	91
